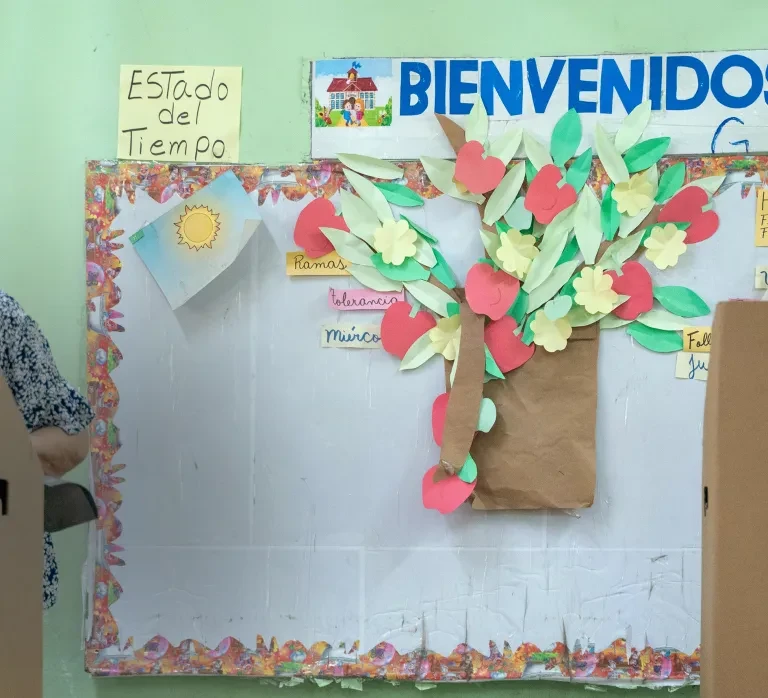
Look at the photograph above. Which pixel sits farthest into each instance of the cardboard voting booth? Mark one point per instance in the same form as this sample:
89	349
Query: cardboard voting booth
21	558
735	489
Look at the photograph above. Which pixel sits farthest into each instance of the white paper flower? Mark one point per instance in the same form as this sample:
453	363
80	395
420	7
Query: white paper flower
516	252
633	196
551	334
396	241
665	245
594	290
445	337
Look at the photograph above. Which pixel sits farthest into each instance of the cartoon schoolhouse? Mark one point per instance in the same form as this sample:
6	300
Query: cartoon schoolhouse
353	86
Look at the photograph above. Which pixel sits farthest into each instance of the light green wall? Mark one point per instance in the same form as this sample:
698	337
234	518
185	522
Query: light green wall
58	106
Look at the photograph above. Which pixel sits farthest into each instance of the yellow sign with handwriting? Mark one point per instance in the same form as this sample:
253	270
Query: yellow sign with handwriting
179	113
697	339
298	264
691	366
761	217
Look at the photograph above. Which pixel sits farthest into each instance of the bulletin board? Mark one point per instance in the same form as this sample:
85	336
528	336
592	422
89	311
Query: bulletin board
259	496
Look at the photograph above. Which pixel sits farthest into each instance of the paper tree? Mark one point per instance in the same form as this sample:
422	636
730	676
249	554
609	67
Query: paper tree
560	264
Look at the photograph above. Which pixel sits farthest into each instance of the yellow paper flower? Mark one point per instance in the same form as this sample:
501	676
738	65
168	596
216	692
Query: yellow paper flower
395	240
550	334
594	290
633	196
665	245
516	252
445	337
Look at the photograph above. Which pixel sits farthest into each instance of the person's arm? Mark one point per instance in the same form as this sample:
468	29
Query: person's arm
58	451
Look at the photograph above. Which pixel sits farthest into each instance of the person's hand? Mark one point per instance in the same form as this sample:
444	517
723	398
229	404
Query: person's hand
58	451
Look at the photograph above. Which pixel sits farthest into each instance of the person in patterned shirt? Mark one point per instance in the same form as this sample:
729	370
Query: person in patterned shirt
56	415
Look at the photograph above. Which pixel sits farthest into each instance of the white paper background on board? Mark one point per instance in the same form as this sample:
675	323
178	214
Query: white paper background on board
730	115
273	487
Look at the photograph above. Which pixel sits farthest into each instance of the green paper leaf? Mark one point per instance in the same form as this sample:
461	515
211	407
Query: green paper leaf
360	218
662	320
530	172
557	279
419	353
399	195
138	235
662	341
681	301
646	153
609	214
518	216
453	309
629	224
631	130
552	245
487	417
708	184
535	151
587	225
558	307
578	172
372	167
415	307
502	227
440	173
566	137
415	226
491	243
476	128
368	276
424	253
569	252
504	195
519	307
491	366
370	194
430	296
579	317
349	247
442	271
670	182
610	157
506	145
409	270
620	251
527	331
468	472
610	322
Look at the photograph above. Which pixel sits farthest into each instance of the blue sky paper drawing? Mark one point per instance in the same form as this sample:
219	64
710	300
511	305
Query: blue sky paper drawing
190	245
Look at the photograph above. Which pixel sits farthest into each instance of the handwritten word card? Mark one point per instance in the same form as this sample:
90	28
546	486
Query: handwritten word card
761	277
298	264
761	218
692	366
345	336
362	299
179	113
697	339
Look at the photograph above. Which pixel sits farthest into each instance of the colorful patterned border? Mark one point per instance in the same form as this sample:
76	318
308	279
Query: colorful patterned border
105	181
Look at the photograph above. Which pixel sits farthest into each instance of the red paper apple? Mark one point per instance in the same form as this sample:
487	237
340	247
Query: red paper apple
544	198
447	495
439	409
477	173
507	350
635	282
490	292
320	213
399	330
685	207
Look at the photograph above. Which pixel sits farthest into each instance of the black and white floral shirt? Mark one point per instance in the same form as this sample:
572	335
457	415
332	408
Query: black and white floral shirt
44	398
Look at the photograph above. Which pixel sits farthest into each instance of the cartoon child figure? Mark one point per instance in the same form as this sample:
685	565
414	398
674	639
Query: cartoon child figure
359	112
347	113
353	111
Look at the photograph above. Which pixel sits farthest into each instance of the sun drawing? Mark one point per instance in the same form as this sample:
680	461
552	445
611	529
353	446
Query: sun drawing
197	227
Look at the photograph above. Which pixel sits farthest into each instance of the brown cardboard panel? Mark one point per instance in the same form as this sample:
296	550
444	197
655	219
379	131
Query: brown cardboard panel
21	556
735	568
